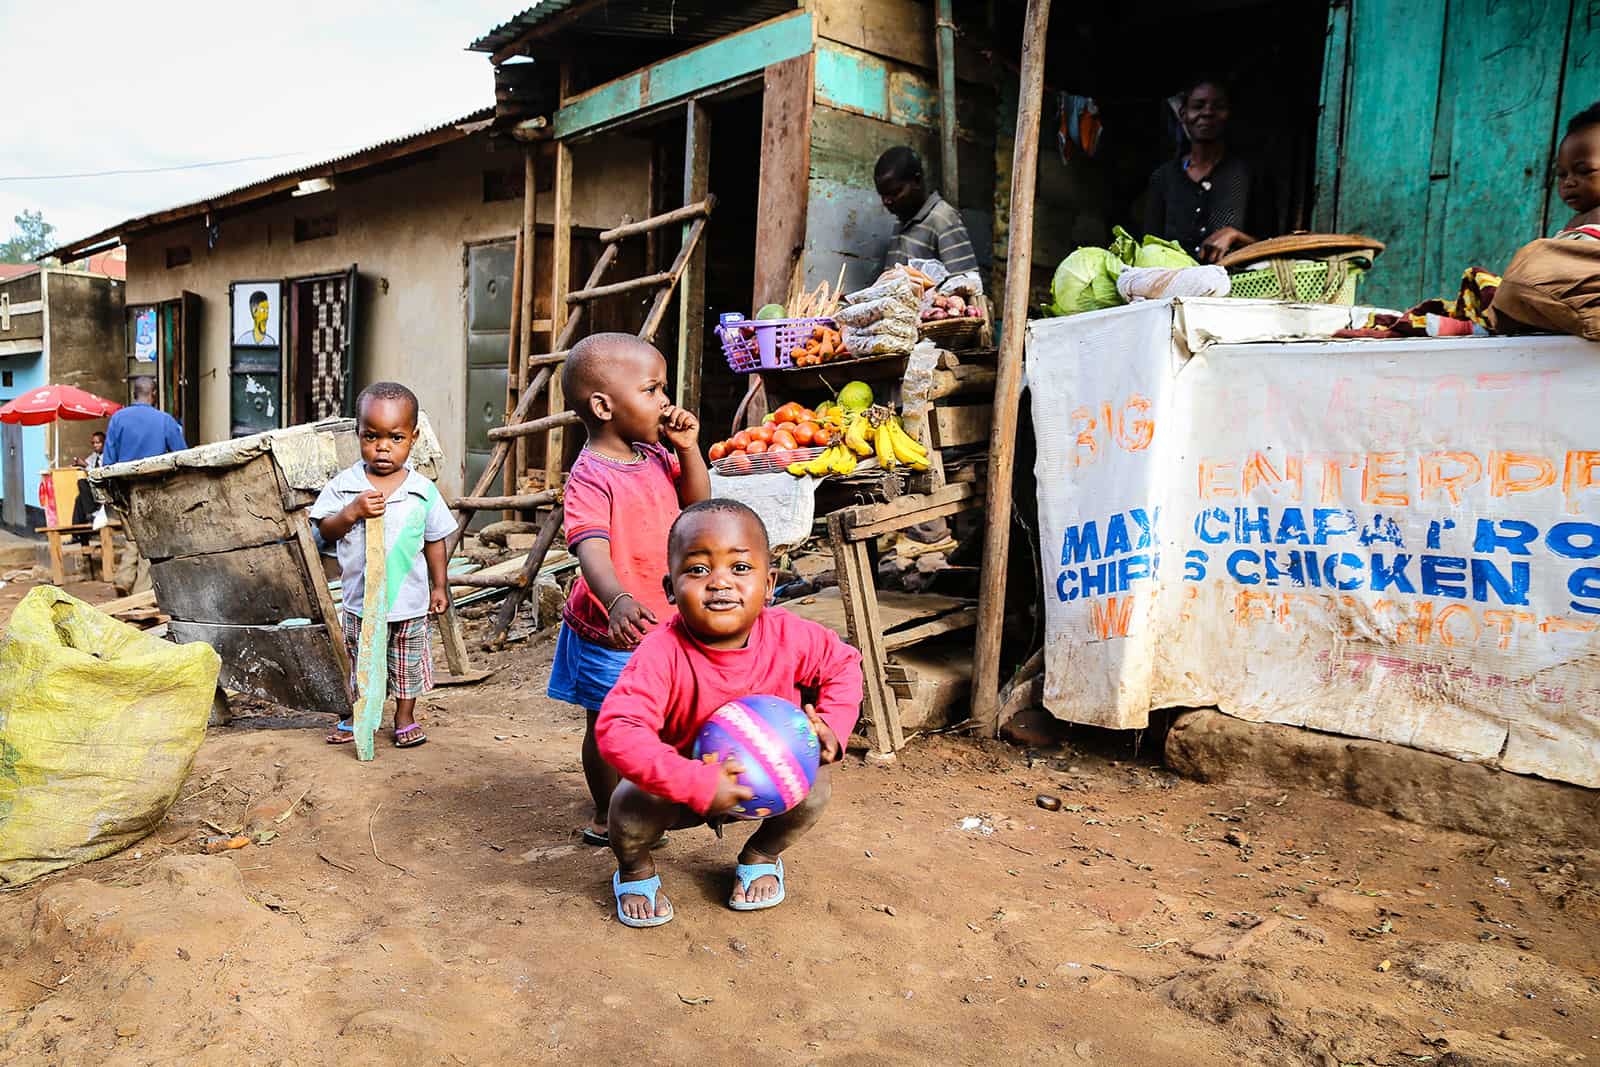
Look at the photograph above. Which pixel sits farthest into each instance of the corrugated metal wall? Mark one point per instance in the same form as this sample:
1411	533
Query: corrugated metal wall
1441	119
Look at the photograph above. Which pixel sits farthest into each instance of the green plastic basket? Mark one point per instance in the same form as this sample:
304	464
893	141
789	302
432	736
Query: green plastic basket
1311	281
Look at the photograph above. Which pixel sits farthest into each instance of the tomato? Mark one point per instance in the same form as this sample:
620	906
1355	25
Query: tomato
807	415
739	461
756	448
784	426
785	440
741	440
718	450
762	434
789	412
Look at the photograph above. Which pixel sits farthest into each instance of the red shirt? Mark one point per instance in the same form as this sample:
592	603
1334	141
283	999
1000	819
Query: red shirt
632	505
673	684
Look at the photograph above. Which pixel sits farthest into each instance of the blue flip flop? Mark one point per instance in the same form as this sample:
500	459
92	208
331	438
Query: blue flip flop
644	887
749	872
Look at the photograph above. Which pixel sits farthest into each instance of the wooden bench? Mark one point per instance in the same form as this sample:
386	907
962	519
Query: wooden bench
59	550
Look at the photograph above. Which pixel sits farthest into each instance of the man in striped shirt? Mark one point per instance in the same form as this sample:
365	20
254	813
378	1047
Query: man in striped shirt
930	227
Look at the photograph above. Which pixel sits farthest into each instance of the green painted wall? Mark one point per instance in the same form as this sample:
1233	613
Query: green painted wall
1440	124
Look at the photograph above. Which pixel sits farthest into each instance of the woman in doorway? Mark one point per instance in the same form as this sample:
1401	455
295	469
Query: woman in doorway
1209	199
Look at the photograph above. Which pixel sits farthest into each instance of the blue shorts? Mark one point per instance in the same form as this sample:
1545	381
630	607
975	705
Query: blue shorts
583	672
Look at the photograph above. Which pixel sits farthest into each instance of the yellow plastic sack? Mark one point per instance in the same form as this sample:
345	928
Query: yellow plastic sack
99	724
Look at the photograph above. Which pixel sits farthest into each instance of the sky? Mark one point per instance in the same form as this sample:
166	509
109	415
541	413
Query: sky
105	86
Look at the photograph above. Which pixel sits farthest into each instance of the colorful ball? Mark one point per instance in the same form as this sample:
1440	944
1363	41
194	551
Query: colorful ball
776	745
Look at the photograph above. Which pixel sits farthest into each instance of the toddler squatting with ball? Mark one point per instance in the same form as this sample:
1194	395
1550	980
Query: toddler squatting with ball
725	642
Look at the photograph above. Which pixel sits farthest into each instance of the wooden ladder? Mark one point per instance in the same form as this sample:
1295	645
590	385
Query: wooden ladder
544	368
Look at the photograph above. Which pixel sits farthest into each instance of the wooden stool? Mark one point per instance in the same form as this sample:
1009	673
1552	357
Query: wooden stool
59	550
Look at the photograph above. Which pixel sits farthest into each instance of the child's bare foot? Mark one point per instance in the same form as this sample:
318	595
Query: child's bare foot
638	906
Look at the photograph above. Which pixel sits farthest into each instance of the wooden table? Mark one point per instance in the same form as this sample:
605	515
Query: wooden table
850	531
59	551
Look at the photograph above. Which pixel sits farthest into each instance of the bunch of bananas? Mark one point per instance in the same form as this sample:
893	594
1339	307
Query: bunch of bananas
873	431
835	459
877	431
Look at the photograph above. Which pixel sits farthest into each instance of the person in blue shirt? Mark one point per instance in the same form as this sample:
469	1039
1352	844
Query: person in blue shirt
139	430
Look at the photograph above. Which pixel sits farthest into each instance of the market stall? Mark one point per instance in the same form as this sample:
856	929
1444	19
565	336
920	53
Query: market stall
859	447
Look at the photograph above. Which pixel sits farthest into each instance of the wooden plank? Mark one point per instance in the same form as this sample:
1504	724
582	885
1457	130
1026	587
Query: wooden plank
870	520
58	564
1330	121
327	611
850	80
695	207
658	310
533	426
1008	386
454	641
860	600
963	424
528	260
897	29
1500	155
1383	155
530	568
895	609
189	512
515	502
719	61
627	285
478	580
108	552
516	370
1580	86
560	278
692	285
960	620
949	168
295	666
784	186
966	378
257	586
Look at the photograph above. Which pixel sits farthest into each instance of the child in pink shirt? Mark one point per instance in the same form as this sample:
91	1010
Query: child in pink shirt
724	643
622	494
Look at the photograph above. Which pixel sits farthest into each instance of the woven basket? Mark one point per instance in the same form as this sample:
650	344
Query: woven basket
952	335
1321	281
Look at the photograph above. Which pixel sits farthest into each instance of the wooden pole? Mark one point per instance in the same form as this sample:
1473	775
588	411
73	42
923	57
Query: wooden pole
530	197
515	366
945	39
560	282
1008	381
692	287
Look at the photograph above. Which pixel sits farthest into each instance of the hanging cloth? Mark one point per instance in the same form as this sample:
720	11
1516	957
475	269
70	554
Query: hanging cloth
1077	125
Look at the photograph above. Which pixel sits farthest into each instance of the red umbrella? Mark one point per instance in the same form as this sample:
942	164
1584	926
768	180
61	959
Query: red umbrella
39	406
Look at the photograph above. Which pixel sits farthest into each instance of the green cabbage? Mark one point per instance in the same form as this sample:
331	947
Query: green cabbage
1156	252
1123	246
1086	281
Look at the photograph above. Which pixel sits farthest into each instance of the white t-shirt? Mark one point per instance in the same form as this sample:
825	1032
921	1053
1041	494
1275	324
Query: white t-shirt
351	550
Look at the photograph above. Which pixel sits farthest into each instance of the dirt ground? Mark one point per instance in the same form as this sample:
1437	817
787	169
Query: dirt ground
434	907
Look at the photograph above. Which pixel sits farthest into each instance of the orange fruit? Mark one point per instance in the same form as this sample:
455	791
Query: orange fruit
718	450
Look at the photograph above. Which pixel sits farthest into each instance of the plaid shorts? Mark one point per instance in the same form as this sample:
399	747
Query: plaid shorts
410	655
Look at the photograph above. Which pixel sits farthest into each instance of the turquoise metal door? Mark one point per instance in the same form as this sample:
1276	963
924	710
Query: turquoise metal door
1440	120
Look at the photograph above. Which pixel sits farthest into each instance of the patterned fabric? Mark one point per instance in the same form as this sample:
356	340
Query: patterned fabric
934	232
1463	316
329	303
410	655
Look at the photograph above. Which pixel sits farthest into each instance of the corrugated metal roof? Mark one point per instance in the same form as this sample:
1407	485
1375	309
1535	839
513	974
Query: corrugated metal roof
261	187
690	21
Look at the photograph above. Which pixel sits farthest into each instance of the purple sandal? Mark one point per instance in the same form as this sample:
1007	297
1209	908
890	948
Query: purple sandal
410	736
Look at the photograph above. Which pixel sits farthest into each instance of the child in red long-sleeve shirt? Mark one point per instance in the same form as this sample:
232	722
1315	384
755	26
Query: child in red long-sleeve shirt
724	643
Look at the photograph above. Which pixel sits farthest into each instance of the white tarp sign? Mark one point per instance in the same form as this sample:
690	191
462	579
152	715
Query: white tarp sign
1397	540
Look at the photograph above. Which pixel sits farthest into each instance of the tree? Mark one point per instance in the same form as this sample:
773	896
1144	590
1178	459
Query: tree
34	237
